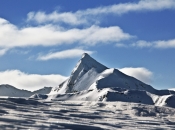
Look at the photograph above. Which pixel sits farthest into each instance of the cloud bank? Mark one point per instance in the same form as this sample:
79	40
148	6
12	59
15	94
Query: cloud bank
53	35
31	82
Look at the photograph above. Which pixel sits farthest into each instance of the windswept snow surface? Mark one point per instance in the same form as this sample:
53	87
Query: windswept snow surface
20	113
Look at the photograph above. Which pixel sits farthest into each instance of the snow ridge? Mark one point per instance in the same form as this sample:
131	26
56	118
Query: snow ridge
10	91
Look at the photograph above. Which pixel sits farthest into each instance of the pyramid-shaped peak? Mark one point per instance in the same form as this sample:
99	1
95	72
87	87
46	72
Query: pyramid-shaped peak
87	62
85	55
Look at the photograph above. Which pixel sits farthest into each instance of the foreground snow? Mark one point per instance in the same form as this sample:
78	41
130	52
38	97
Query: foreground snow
18	113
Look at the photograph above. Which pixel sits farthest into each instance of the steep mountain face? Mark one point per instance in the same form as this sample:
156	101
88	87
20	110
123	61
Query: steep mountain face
90	74
10	91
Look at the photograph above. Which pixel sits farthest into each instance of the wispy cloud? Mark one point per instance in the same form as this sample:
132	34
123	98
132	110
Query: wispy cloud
142	5
55	17
71	53
160	44
140	73
54	35
85	16
31	82
155	44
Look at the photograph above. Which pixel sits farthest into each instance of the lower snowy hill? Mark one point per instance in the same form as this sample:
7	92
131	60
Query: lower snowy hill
10	91
44	90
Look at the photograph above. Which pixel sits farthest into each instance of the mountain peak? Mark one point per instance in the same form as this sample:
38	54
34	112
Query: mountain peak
85	55
86	59
87	62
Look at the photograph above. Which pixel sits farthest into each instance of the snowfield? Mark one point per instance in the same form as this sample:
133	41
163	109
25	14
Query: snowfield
20	113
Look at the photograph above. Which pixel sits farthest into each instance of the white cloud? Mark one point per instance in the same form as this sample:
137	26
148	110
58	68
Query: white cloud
3	51
155	44
66	17
31	82
142	44
85	16
12	36
72	53
142	5
165	44
140	73
53	34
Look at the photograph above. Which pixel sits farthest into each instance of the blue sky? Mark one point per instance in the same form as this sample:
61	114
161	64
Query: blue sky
41	41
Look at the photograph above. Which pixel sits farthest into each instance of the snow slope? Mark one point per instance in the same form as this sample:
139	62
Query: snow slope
112	95
10	91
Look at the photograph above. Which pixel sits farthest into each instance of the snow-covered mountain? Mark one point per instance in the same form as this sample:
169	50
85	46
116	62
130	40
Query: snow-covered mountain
90	74
10	91
92	81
